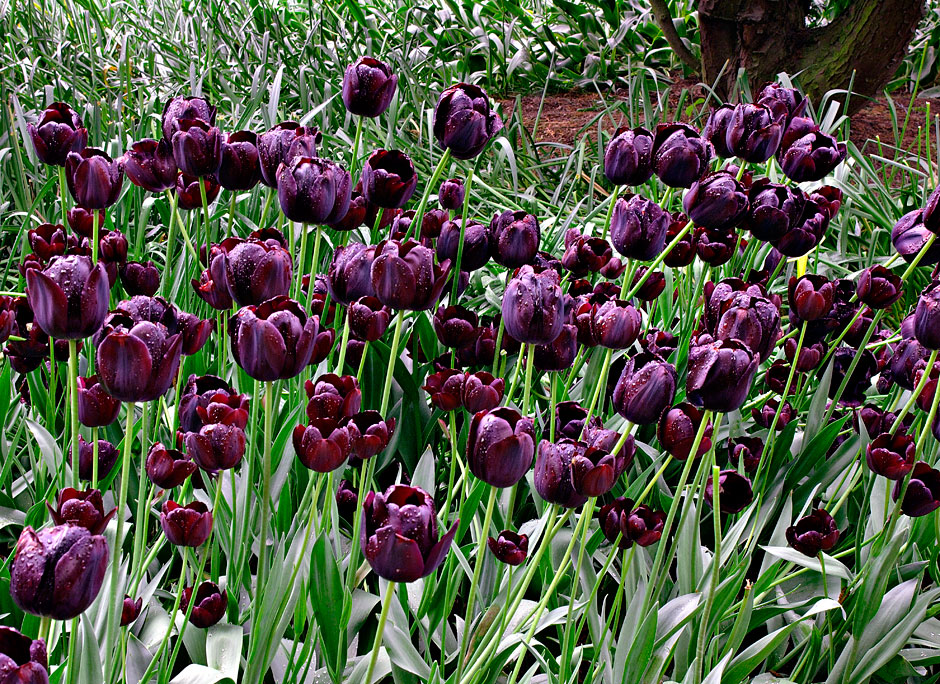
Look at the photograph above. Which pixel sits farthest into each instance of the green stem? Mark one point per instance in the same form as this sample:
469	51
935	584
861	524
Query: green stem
143	510
148	673
231	215
526	392
265	484
392	358
74	663
477	570
383	617
343	344
454	455
95	216
63	192
658	260
170	244
713	586
422	205
463	226
205	214
73	413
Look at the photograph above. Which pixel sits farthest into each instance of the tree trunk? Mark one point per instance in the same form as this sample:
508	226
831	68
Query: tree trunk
766	37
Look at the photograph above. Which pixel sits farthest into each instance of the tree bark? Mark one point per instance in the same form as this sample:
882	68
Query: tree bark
766	37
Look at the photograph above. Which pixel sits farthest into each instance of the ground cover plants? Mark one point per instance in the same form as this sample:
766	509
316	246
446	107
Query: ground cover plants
324	370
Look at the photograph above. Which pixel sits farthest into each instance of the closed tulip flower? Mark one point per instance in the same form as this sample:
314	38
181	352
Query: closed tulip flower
69	298
533	306
256	269
188	193
139	363
149	164
716	201
639	525
552	476
559	354
405	275
209	607
283	142
891	455
811	296
878	287
569	420
107	457
764	416
755	131
500	446
638	228
909	236
813	533
859	381
477	245
350	274
585	255
188	525
96	408
197	147
735	493
84	509
239	165
94	179
628	159
22	660
616	324
752	320
464	121
58	132
455	325
720	374
509	547
482	391
399	536
773	209
683	251
811	157
168	468
368	87
57	572
645	389
451	194
323	445
716	129
926	317
369	435
368	318
217	446
923	491
333	397
445	388
140	278
514	237
806	233
130	610
594	470
313	190
746	451
389	179
680	155
791	98
677	429
180	108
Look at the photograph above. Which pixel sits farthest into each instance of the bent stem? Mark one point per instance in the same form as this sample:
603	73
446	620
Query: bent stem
383	617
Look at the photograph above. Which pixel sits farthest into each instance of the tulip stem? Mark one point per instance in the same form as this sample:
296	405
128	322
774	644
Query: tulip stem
716	566
924	379
526	392
601	383
73	411
452	418
72	658
231	215
94	236
422	205
94	458
477	569
179	223
265	485
343	344
143	510
63	189
610	210
302	260
586	514
205	214
267	206
392	358
313	274
383	617
362	362
170	242
463	231
355	148
169	628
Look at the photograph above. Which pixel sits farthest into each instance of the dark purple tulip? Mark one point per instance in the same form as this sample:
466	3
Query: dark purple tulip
509	547
181	108
323	445
455	325
350	274
140	278
149	164
500	446
716	129
368	87
368	318
628	159
369	435
107	457
239	166
130	610
860	380
720	374
752	320
347	500
791	98
569	420
445	388
553	473
139	363
81	220
926	317
57	572
811	296
677	429
58	132
764	415
755	131
891	455
255	269
477	244
533	306
84	509
188	525
811	157
399	534
909	236
616	324
746	451
638	228
585	255
680	155
878	287
187	191
806	233
451	194
112	249
735	493
69	298
389	179
22	660
360	212
514	238
639	525
715	247
683	252
332	397
197	147
923	491
814	533
717	201
283	142
464	121
96	408
168	468
482	392
210	604
94	179
645	389
774	209
594	470
559	354
217	446
313	190
406	277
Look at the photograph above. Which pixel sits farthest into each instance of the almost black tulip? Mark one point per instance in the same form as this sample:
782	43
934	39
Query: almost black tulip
500	446
594	470
464	121
445	387
639	525
616	324
813	533
878	287
84	509
477	244
773	209
746	451
652	285
680	155
860	380
683	252
628	159
569	420
720	374
638	228
283	142
96	408
645	389
755	131
210	604
559	354
584	254
180	108
58	571
677	429
239	165
926	317
752	320
140	278
791	98
369	435
481	392
389	179
49	240
130	610
209	399
188	194
451	194
806	233
514	238
811	296
332	397
350	274
197	147
58	132
716	246
149	164
368	87
313	190
399	535
22	660
909	236
368	318
716	129
323	445
455	325
406	277
891	455
553	473
218	445
764	415
717	201
811	157
94	179
188	525
107	457
509	547
735	493
139	363
69	298
533	306
347	500
256	269
168	468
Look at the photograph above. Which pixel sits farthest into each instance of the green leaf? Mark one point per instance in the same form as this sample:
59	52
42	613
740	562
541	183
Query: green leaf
224	649
834	568
326	578
200	674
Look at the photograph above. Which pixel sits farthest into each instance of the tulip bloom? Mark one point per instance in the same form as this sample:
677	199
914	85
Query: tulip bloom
197	147
313	190
509	547
720	374
254	270
500	446
22	660
369	435
464	121
755	131
927	317
168	468
552	477
107	457
746	451
878	287
94	179
451	194
188	193
58	132
481	392
677	429
616	324
368	87
69	298
322	446
477	245
638	228
149	164
283	142
399	534
218	445
645	389
680	156
389	179
405	275
514	238
923	491
559	354
130	610
628	159
180	108
350	274
239	165
813	533
332	397
533	306
188	525
735	493
139	278
445	388
210	604
84	509
58	571
139	363
455	325
811	296
368	318
717	201
639	525
810	157
891	455
716	129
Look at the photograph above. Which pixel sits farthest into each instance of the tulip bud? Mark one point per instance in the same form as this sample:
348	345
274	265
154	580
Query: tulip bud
313	190
347	501
451	194
168	468
553	473
455	325
715	246
639	525
256	270
810	157
791	98
283	142
216	446
569	420
813	533
811	296
878	287
720	374
96	408
130	610
500	446
149	164
509	548
94	179
369	435
735	493
58	132
616	324
677	429
477	246
645	389
717	201
891	455
680	156
514	238
209	607
22	660
197	147
368	87
464	121
628	159
638	228
533	306
140	278
746	451
188	525
239	163
389	179
927	317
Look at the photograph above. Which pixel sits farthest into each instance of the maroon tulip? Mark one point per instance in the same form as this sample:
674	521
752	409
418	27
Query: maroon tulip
811	296
677	429
239	166
481	392
81	220
256	269
645	389
313	190
368	87
891	455
96	408
58	132
389	179
553	471
455	325
350	274
179	108
746	451
509	547
585	255
399	535
683	251
81	508
500	446
569	420
533	307
209	607
639	525
514	238
130	610
774	209
149	164
680	156
445	388
188	193
813	533
332	397
217	446
477	245
197	147
764	416
809	157
638	228
720	374
107	457
369	435
405	275
49	240
628	159
168	468
878	287
323	445
559	354
347	500
755	131
464	121
140	278
717	201
735	493
139	363
188	525
926	317
368	318
616	324
94	179
281	143
22	660
923	491
69	298
451	194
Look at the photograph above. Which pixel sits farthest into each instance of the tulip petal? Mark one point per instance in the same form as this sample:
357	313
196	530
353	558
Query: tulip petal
439	550
261	350
78	577
48	302
394	557
124	366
